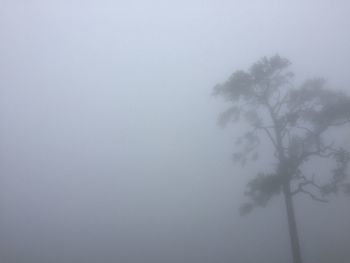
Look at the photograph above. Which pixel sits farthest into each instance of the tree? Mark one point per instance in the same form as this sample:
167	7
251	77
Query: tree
297	122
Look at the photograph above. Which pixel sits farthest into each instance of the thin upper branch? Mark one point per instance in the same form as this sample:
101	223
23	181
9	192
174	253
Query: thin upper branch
269	134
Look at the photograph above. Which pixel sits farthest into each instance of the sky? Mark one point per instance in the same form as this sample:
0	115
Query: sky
109	145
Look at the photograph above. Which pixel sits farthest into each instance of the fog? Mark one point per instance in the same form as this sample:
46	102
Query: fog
109	145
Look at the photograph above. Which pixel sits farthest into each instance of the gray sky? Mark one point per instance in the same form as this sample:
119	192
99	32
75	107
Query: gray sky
110	150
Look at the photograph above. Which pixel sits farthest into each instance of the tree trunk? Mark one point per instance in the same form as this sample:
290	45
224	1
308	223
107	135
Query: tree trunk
293	231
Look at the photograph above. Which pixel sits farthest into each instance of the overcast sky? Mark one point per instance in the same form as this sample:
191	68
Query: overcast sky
109	148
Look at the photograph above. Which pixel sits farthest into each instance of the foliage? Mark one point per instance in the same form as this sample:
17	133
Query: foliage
296	121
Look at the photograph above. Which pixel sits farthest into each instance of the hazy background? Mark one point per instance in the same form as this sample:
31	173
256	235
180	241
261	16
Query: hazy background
109	146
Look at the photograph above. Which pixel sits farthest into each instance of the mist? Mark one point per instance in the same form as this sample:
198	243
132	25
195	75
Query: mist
109	145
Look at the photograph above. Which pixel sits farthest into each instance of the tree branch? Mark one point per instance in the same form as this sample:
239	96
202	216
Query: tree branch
301	189
266	129
313	197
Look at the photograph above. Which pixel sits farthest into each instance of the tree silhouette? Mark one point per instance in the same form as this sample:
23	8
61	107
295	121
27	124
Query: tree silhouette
296	121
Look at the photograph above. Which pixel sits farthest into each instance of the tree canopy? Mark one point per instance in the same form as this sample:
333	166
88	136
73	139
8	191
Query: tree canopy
294	119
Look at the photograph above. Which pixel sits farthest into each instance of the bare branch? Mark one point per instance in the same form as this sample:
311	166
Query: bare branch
306	129
313	197
277	107
301	189
266	129
321	151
